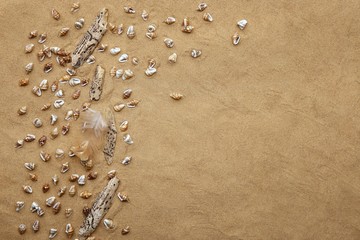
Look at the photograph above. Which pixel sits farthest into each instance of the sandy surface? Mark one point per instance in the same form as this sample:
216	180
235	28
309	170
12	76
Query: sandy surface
265	144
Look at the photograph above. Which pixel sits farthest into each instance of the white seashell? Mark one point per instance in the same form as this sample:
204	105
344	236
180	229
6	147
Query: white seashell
127	93
63	31
36	226
69	115
29	138
45	156
145	15
124	125
42	38
72	190
19	205
59	103
44	85
111	174
201	7
208	17
242	24
172	58
132	103
71	71
37	91
176	96
135	61
170	20
125	230
169	42
34	207
150	35
37	122
119	73
50	201
62	191
79	23
29	67
102	47
82	180
151	28
91	59
40	212
113	71
131	32
27	189
59	93
195	53
127	74
22	228
54	86
74	81
122	197
126	160
30	166
129	10
109	224
150	71
19	143
55	179
115	50
59	153
119	107
120	29
127	139
69	230
55	50
235	39
68	212
123	58
52	233
75	7
29	48
53	119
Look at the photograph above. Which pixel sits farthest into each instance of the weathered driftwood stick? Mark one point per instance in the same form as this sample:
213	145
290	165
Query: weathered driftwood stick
91	39
97	83
110	143
99	208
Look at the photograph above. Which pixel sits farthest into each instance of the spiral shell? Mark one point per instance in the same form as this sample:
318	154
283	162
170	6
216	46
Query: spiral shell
85	194
127	93
29	67
42	38
27	189
75	7
170	20
201	7
22	110
127	74
33	34
69	230
37	91
74	81
29	48
76	94
195	53
172	58
37	122
79	23
109	224
42	140
207	17
169	42
23	82
113	71
119	107
36	226
63	31
131	32
150	35
145	15
62	191
55	14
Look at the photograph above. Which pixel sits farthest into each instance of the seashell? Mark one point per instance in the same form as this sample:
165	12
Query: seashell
86	210
71	153
50	201
129	10
145	15
132	103
74	82
33	34
63	31
169	42
127	93
76	94
151	28
34	207
65	129
207	17
48	67
45	107
123	197
68	212
188	29
72	190
36	226
44	85
91	59
62	191
195	53
127	74
127	139
242	24
40	212
69	230
74	177
84	82
22	228
82	180
52	233
151	35
59	153
55	14
45	156
85	194
58	103
172	58
42	38
109	224
85	106
170	20
55	179
33	177
119	107
69	115
120	29
30	166
76	114
88	164
23	82
176	96
47	51
102	47
92	175
123	58
29	138
53	119
235	39
56	207
79	23
152	63
150	71
125	230
54	86
27	189
42	140
75	7
60	61
71	72
19	143
41	55
113	71
115	50
19	205
111	174
37	122
135	61
64	167
29	48
45	187
131	32
55	50
201	7
37	91
112	28
119	73
126	160
28	68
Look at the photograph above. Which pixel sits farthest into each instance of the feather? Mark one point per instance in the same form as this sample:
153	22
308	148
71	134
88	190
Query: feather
95	121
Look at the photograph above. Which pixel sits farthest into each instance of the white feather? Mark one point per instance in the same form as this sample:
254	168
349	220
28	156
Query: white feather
95	121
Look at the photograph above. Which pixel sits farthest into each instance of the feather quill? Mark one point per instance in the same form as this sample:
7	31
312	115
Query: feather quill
95	121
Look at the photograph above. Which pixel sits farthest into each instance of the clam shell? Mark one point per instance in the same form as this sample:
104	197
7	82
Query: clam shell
29	67
75	7
123	58
19	205
102	47
45	156
123	197
127	139
115	50
27	189
126	160
151	28
23	82
22	228
29	138
50	201
195	53
59	153
119	73
145	15
201	7
65	167
62	191
37	122
42	38
36	91
55	179
132	103
82	180
170	20
58	103
63	31
56	207
72	190
19	143
127	93
33	34
150	35
69	230
235	39
53	118
45	187
125	230
150	71
29	48
109	224
129	10
30	166
36	226
85	194
68	212
52	233
207	17
131	32
172	58
74	82
65	129
55	14
169	42
42	140
242	24
113	71
119	107
111	174
76	94
127	74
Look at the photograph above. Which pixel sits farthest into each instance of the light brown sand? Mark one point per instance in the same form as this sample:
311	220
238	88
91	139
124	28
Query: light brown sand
265	144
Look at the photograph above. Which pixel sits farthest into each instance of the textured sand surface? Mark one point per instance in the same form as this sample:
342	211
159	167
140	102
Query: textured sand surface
265	144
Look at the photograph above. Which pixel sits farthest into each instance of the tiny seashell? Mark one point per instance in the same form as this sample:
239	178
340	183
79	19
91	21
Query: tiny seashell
33	34
53	119
63	31
109	224
65	129
55	14
45	156
119	107
195	53
125	230
27	189
54	50
42	140
62	191
47	51
34	207
30	166
113	71
120	29
42	38
45	187
172	58
86	210
72	190
60	61
123	197
59	93
127	93
23	82
45	107
37	91
19	205
127	139
54	86
115	50
76	114
92	175
64	167
135	61
44	85
129	10
102	47
119	73
22	228
19	143
187	28
59	153
112	28
29	48
29	138
48	67
41	55
56	207
201	7
33	177
69	230
242	24
58	103
69	115
152	63
169	42
126	160
76	94
151	28
91	59
145	15
176	96
150	35
74	81
85	106
28	68
208	17
40	212
85	194
127	74
68	212
170	20
150	71
37	122
50	201
131	32
52	233
82	180
79	23
235	39
74	177
55	179
71	153
111	174
71	71
123	58
36	226
132	103
85	81
75	7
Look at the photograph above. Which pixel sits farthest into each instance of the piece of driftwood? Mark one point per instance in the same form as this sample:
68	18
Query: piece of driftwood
99	208
97	83
91	39
110	143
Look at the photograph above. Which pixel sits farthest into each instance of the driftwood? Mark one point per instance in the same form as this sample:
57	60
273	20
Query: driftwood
97	83
110	143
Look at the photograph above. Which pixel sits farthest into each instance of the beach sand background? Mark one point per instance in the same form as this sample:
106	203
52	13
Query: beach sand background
265	144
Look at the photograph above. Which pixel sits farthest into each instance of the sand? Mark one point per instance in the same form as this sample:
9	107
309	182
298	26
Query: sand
265	144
